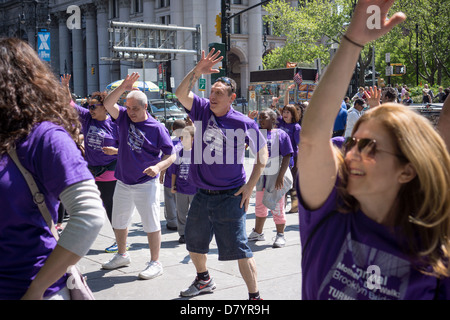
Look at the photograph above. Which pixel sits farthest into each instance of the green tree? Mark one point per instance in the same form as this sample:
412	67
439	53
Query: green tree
314	25
310	30
423	40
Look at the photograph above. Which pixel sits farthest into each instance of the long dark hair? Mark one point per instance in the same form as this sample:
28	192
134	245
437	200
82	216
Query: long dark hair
29	94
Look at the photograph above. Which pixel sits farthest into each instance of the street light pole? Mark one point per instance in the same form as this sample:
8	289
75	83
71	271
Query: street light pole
417	54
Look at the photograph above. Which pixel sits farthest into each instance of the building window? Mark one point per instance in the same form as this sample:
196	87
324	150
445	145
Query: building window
237	1
113	9
164	20
136	6
237	25
164	3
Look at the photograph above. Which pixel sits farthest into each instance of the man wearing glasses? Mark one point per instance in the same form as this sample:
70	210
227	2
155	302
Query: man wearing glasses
220	205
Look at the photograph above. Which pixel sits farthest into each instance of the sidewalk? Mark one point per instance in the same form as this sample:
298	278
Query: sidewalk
278	269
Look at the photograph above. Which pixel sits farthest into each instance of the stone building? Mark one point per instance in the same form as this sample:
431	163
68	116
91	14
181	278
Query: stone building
85	51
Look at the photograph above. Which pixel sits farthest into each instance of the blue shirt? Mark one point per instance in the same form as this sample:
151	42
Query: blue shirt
341	119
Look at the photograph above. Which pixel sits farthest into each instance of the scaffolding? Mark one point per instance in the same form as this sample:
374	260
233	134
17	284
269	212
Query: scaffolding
138	41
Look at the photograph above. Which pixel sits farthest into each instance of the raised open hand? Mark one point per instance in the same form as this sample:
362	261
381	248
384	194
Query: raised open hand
373	97
252	114
65	79
370	20
129	81
206	64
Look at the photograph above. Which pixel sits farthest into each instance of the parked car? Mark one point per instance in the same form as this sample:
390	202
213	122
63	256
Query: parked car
172	112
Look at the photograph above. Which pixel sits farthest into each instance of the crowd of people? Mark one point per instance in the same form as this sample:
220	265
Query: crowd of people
371	182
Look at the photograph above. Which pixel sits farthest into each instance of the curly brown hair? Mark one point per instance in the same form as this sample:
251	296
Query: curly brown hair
29	94
99	96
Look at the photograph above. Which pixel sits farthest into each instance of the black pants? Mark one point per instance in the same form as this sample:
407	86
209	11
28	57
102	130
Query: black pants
106	189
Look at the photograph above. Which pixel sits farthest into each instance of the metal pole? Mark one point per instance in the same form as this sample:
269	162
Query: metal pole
373	65
164	91
417	54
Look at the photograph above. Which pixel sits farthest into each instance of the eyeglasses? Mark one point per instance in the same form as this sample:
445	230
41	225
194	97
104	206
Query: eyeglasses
226	80
94	106
366	147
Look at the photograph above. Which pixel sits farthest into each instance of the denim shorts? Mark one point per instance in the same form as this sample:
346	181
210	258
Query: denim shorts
220	216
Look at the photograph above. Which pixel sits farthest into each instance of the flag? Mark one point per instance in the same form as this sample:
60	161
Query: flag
298	79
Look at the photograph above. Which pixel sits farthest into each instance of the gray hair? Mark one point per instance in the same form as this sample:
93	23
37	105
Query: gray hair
138	96
270	113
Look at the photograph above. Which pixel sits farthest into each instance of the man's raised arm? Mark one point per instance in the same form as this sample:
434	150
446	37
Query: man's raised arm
113	97
204	66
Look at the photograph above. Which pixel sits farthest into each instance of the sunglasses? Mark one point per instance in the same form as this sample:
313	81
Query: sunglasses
226	80
94	106
366	147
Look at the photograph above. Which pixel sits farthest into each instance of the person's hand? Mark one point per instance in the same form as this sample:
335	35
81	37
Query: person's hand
65	79
364	17
252	114
152	171
275	100
161	176
246	193
279	183
373	97
173	190
206	64
129	81
110	151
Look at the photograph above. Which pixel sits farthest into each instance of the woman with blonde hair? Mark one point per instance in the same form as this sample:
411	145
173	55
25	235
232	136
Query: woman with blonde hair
37	121
374	218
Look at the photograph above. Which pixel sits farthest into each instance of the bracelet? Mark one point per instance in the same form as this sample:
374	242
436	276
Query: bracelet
351	41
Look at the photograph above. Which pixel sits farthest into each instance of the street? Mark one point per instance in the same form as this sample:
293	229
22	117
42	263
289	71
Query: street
278	269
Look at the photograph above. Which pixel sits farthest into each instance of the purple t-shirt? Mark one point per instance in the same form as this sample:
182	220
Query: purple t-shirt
219	146
97	134
55	162
352	257
141	144
293	131
283	143
181	169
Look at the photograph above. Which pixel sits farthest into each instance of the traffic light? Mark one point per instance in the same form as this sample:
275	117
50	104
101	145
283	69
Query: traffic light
219	25
93	70
398	69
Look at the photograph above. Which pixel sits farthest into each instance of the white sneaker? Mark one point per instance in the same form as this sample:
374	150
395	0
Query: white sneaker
117	261
153	270
280	241
255	236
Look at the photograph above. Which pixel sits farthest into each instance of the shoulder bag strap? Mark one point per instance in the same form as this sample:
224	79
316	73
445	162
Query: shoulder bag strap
38	197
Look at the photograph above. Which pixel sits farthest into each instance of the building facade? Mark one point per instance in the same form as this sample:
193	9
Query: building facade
79	42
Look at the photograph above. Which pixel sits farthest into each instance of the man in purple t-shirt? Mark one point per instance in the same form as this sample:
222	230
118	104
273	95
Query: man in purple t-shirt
141	141
219	207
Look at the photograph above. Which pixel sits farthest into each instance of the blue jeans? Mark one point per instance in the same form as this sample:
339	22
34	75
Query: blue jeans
218	215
